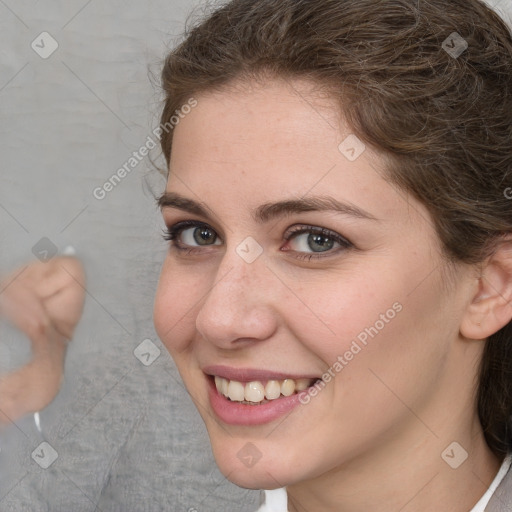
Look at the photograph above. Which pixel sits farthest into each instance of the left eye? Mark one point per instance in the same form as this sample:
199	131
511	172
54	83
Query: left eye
316	240
313	242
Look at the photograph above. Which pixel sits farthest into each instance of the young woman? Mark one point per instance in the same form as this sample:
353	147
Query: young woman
337	294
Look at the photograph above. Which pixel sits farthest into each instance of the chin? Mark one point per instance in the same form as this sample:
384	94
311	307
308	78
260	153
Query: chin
242	467
255	478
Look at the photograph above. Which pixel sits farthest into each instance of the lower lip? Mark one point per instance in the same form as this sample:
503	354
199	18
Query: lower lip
235	413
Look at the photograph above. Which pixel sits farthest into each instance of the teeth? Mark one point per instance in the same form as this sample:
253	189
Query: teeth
302	384
224	387
236	391
254	392
258	392
272	390
288	387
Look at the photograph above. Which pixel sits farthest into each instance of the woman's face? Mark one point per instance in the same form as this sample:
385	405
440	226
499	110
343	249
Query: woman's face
299	260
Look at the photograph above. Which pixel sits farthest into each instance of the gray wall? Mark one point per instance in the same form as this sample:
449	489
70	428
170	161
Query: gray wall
126	435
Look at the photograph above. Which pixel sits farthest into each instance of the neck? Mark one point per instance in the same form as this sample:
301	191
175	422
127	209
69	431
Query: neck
409	475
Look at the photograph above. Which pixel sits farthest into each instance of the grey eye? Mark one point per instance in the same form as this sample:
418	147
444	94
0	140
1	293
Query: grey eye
200	235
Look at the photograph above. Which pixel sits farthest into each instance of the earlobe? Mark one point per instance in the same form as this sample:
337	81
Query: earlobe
491	305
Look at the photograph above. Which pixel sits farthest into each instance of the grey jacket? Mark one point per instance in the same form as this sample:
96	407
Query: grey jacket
501	500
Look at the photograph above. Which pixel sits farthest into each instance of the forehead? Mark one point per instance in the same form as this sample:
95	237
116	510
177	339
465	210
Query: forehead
264	141
271	113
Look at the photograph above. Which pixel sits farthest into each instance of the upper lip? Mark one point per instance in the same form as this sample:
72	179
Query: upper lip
251	374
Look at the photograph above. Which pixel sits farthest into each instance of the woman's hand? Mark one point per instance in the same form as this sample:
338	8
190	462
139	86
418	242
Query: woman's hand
45	301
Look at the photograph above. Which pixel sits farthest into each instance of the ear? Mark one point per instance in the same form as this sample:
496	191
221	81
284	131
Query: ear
491	306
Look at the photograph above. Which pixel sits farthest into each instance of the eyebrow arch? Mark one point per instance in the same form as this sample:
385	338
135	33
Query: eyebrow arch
268	211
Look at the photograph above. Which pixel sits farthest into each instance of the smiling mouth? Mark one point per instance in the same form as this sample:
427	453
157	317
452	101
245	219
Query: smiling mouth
260	392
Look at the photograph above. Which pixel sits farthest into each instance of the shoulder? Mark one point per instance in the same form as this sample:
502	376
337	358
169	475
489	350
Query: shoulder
501	500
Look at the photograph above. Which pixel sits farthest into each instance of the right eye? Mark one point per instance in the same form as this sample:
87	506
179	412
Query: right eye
191	234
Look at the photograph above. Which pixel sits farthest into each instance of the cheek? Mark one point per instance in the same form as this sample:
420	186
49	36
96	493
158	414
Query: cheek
388	338
345	313
372	323
174	311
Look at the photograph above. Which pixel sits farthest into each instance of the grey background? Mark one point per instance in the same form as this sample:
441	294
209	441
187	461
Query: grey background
127	436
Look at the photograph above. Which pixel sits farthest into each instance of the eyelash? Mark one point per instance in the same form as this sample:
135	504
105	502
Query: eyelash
172	233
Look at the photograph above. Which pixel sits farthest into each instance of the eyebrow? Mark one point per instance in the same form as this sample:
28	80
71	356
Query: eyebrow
268	211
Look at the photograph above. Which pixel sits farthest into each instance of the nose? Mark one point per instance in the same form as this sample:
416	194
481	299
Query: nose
239	307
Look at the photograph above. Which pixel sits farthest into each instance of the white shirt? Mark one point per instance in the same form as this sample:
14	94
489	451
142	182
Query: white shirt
277	500
484	500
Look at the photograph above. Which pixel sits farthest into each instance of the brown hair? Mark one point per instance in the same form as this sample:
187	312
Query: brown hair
444	121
